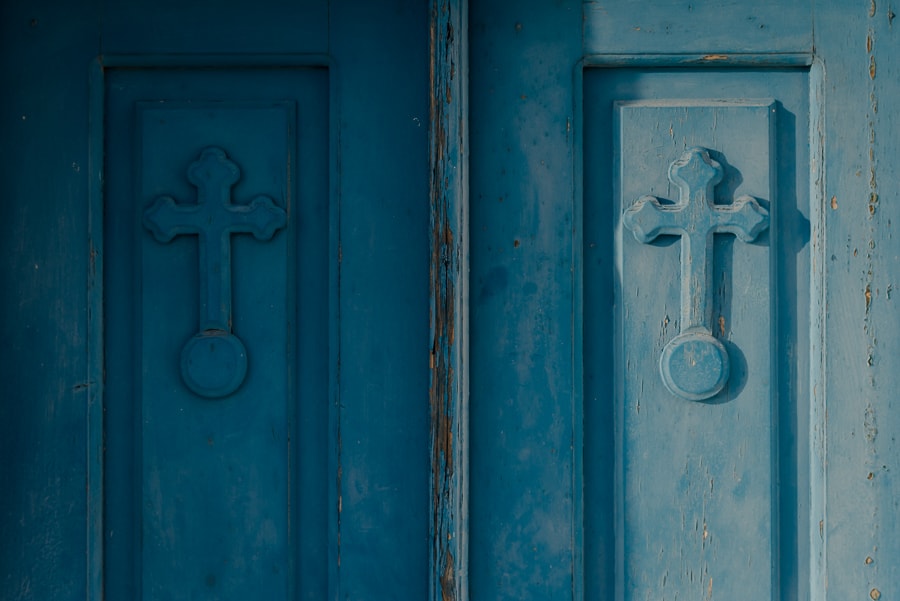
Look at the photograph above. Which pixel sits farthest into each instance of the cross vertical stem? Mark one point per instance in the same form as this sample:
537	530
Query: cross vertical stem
215	290
696	291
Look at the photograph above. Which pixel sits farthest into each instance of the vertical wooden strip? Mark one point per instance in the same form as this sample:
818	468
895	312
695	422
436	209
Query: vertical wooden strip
860	551
43	297
523	513
818	308
94	379
448	281
383	297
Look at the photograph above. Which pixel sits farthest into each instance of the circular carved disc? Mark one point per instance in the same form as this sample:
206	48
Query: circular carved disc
213	363
694	365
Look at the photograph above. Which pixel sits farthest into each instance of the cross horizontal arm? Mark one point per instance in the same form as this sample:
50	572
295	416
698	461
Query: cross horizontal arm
746	219
166	219
647	218
261	217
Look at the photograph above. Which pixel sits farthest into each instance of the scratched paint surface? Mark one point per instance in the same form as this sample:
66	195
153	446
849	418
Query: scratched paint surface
697	483
858	515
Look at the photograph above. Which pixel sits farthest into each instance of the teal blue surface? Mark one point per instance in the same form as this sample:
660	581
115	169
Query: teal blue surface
524	523
310	479
443	371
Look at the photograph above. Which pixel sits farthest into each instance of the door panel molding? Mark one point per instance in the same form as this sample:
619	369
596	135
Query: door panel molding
323	101
601	545
696	59
712	27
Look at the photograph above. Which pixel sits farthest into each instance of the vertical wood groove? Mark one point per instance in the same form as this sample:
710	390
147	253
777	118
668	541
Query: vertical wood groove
94	347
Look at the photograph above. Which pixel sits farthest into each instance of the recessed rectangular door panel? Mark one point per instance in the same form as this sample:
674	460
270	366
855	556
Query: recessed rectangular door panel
697	439
704	203
217	269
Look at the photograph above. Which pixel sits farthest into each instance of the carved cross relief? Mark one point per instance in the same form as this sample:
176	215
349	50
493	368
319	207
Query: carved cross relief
214	361
694	365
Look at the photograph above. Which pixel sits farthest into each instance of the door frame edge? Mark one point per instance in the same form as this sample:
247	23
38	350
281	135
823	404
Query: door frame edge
448	292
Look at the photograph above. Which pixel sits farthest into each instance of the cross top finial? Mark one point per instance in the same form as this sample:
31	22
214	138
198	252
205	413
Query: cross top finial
694	364
695	170
213	170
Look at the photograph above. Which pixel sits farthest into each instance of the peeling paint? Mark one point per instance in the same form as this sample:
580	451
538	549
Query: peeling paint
447	137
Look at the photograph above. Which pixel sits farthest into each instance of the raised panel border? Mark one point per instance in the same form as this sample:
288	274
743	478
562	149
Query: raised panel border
595	58
94	410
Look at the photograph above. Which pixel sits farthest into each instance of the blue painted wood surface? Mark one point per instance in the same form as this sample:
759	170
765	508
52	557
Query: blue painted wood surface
524	520
712	30
44	263
855	541
359	435
549	506
384	492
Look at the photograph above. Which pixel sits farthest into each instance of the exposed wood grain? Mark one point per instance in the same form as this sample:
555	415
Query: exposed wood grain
449	300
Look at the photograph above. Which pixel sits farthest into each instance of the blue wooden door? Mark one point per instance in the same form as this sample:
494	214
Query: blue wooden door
488	300
680	320
219	354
